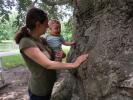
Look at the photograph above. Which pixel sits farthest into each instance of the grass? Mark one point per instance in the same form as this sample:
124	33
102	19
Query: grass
66	49
12	61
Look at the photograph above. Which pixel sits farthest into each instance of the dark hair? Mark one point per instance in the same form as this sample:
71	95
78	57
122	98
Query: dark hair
33	15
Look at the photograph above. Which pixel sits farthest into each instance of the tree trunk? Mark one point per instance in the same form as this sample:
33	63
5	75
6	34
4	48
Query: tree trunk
104	29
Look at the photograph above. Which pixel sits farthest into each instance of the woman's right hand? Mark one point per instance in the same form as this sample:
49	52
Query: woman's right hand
80	59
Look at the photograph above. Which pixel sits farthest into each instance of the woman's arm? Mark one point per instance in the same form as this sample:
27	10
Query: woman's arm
36	55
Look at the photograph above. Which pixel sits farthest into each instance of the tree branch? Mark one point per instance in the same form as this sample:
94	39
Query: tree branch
35	2
58	2
32	4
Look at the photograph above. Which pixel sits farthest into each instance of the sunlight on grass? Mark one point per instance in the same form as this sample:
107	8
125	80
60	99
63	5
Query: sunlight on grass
66	50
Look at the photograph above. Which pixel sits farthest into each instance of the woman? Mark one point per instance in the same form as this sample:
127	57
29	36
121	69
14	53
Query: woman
38	56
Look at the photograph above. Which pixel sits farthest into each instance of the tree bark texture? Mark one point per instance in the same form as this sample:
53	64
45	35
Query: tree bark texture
104	29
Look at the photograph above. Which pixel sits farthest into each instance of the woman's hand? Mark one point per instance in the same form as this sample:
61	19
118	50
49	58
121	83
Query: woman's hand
80	60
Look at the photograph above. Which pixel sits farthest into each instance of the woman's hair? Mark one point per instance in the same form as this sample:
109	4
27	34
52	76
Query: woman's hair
33	15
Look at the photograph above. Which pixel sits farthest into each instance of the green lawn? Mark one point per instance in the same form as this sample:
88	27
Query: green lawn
12	61
66	49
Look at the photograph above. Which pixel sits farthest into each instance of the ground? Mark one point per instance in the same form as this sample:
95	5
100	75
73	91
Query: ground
16	80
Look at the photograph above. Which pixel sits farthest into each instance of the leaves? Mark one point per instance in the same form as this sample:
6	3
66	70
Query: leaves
52	7
7	27
67	30
56	9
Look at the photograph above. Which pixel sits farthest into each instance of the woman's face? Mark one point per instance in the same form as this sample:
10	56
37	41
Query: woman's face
41	28
45	26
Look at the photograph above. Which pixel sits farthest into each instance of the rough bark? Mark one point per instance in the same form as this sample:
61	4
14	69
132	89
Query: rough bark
104	29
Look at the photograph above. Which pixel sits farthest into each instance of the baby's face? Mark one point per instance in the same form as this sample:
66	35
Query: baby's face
55	29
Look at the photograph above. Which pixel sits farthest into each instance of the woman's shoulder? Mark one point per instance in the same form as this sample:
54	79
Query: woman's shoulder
27	42
26	39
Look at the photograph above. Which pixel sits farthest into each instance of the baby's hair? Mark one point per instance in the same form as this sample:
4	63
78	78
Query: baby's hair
53	21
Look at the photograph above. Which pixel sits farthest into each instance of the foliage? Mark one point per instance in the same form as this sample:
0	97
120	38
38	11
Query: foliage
5	8
7	27
67	30
51	6
57	9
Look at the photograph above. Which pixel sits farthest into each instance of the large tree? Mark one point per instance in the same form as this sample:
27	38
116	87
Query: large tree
104	29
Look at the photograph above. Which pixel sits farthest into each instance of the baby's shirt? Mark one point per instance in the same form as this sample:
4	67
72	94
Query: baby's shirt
54	42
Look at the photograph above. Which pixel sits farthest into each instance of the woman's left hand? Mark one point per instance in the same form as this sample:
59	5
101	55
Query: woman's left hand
81	59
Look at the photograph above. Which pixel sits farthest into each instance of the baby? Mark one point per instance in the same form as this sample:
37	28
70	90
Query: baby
55	39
